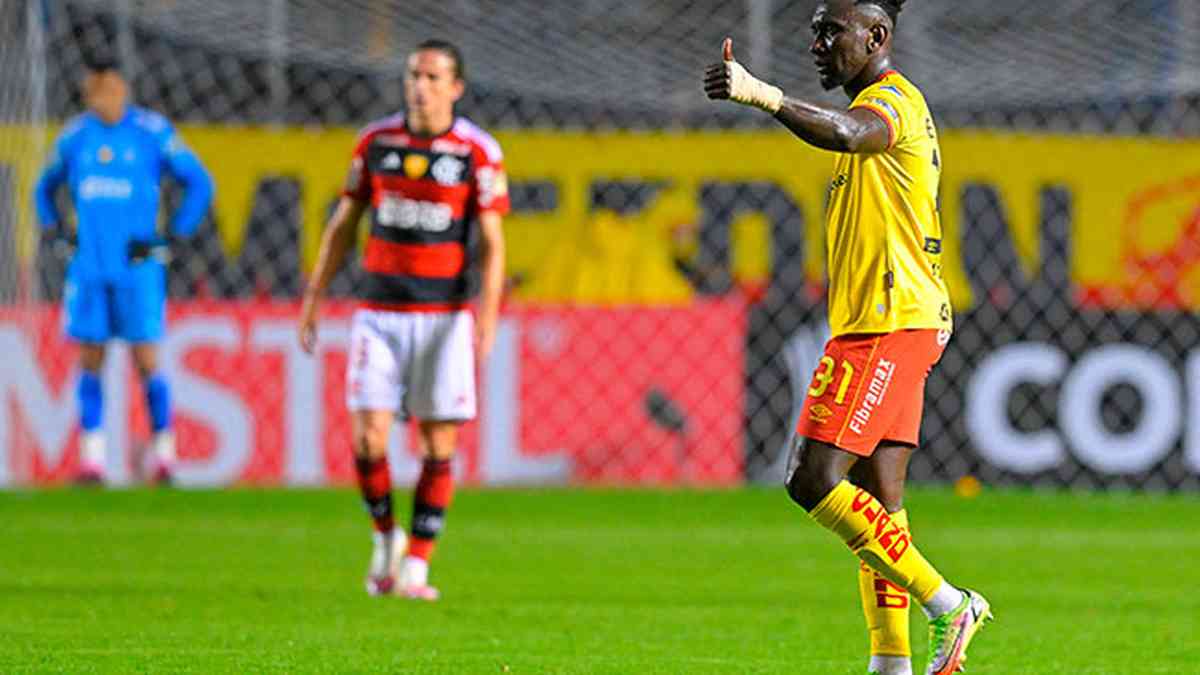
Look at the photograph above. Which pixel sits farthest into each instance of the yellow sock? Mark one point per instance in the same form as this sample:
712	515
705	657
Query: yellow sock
885	606
861	521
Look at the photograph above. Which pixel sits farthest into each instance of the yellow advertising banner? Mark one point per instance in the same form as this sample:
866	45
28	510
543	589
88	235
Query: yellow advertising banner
1134	203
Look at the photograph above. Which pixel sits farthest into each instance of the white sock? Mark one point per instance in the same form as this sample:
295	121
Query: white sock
890	665
382	559
414	572
945	600
163	444
92	452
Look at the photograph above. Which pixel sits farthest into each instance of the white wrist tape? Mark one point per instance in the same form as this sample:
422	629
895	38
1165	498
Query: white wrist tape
749	90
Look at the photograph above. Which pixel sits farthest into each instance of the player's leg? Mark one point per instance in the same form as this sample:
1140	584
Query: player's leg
880	379
372	428
90	395
372	395
442	395
86	305
819	485
885	605
140	315
431	499
158	403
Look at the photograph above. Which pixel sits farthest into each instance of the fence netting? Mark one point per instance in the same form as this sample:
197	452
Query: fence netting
665	306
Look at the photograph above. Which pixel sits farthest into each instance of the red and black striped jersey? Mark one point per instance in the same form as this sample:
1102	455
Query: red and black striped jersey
425	193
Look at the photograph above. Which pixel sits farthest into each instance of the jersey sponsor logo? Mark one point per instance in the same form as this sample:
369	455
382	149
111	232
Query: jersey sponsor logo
411	214
105	154
104	187
415	165
448	170
877	390
819	413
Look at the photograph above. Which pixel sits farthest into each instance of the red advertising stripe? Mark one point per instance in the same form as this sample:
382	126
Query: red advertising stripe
629	395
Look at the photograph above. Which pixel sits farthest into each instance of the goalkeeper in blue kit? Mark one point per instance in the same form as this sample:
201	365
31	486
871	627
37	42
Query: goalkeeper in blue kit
112	158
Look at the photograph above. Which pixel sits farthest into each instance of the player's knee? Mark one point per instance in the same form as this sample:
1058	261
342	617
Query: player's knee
91	357
371	441
809	484
892	499
440	439
145	359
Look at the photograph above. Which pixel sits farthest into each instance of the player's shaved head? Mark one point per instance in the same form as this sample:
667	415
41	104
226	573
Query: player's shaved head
851	38
889	7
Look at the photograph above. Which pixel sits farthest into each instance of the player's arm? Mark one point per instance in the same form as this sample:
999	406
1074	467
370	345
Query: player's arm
492	281
856	130
53	175
186	168
339	237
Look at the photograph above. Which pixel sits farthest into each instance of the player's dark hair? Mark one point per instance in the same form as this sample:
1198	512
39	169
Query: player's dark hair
890	7
100	59
449	49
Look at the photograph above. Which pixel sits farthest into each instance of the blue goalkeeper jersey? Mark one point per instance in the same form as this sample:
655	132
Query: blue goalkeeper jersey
113	173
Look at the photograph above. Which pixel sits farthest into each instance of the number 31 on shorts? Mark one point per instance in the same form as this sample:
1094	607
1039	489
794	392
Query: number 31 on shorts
825	375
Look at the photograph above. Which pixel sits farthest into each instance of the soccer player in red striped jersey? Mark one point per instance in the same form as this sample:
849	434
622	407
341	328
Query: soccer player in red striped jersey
428	178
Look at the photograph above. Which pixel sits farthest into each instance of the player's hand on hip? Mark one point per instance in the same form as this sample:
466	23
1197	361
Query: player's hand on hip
729	80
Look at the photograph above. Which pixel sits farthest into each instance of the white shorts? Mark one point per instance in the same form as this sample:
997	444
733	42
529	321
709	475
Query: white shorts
416	363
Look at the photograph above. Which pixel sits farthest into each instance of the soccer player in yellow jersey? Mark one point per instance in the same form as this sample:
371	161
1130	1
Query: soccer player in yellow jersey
890	317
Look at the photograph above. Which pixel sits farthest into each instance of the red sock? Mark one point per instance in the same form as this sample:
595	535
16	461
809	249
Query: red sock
430	500
375	484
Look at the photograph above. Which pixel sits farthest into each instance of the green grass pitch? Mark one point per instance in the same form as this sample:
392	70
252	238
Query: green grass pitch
578	581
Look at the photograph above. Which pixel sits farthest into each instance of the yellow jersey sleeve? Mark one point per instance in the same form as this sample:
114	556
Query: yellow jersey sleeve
892	105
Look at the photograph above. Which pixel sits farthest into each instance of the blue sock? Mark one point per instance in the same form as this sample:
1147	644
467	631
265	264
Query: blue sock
90	393
158	400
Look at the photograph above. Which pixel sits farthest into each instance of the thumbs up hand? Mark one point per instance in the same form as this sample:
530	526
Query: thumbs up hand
729	80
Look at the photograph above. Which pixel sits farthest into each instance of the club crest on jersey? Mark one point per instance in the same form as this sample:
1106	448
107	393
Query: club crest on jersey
104	154
447	170
415	165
